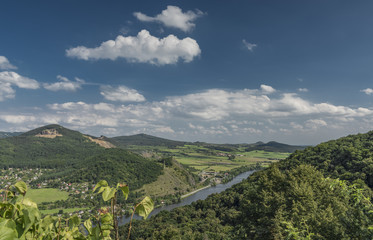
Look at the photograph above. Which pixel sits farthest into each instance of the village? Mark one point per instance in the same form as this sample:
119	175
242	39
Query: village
78	194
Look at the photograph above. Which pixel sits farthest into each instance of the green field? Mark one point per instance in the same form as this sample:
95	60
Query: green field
202	158
65	210
46	195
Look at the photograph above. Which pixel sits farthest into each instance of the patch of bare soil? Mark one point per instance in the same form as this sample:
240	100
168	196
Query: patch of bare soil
101	142
49	133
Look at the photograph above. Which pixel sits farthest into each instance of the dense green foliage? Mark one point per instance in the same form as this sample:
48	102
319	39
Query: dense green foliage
348	158
301	197
75	158
116	164
295	204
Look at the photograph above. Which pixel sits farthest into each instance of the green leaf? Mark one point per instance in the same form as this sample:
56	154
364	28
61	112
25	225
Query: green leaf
28	202
107	219
108	193
88	226
124	188
7	223
7	233
21	187
30	215
74	221
47	222
145	207
101	183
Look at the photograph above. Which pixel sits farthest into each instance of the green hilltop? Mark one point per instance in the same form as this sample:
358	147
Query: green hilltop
75	157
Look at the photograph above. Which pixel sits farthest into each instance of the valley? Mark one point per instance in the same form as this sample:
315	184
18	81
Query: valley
67	164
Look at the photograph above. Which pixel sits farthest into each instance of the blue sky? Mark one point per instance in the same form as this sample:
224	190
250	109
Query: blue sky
297	72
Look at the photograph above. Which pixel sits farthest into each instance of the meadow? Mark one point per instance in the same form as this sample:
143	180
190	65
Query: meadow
47	195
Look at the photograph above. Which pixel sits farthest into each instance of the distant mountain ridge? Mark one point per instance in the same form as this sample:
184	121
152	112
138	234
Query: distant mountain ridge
9	134
144	140
149	140
273	146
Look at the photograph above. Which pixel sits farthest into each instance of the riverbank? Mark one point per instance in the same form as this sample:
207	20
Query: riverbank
195	191
199	194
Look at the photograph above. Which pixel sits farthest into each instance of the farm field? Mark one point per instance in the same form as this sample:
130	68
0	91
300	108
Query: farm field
206	158
47	195
65	210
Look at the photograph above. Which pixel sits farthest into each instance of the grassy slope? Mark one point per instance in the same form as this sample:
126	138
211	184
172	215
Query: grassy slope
166	184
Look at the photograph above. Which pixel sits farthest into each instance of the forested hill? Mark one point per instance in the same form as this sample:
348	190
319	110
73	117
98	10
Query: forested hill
297	198
273	146
144	140
348	158
75	157
148	140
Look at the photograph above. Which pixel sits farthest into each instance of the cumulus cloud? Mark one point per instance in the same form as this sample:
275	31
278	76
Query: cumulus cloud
173	17
367	91
249	46
121	94
215	114
10	79
143	48
267	89
5	64
64	84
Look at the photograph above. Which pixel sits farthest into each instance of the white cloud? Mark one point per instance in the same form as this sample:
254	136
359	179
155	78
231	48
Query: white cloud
5	64
10	79
249	46
64	84
315	123
143	48
121	94
17	119
6	91
214	114
14	78
267	89
173	17
302	89
367	91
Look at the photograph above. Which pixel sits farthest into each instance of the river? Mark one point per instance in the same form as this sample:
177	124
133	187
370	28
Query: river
200	195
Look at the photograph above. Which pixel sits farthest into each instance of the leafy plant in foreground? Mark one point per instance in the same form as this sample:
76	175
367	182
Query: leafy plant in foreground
20	217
